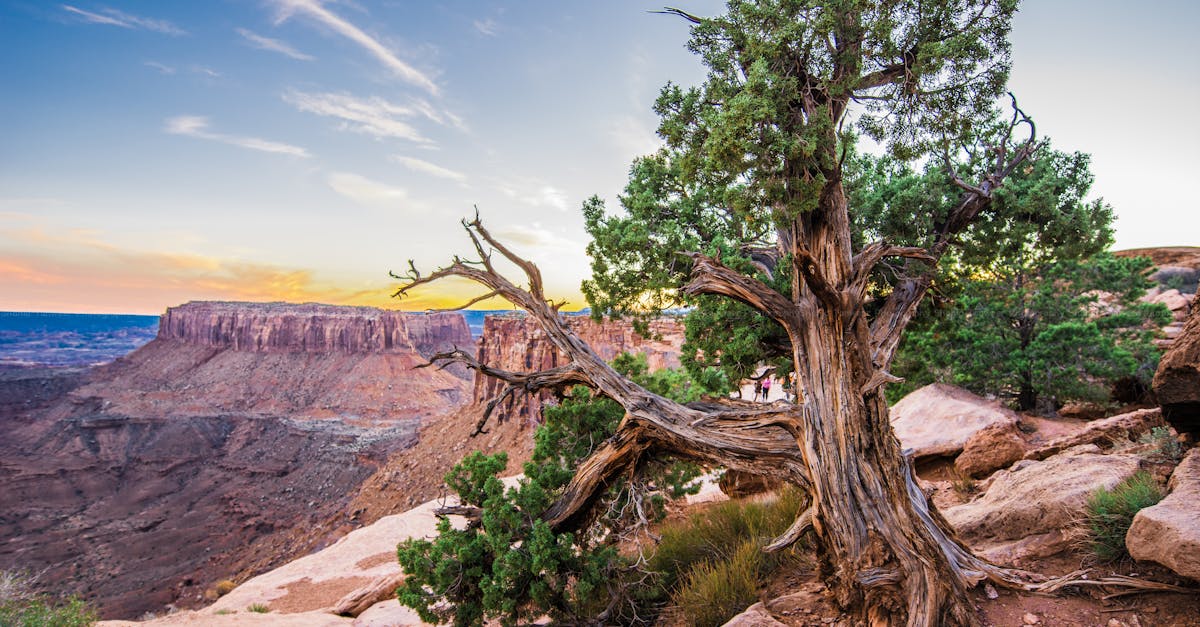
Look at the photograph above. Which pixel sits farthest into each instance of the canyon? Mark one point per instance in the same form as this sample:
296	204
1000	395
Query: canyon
137	483
245	435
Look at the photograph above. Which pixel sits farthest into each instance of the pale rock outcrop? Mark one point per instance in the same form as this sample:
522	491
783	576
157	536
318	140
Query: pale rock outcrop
1169	533
1177	381
939	419
755	616
990	449
1104	432
1175	301
1027	507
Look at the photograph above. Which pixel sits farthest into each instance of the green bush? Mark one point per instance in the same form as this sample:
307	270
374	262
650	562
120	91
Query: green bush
1110	512
21	606
258	608
508	565
42	612
1166	445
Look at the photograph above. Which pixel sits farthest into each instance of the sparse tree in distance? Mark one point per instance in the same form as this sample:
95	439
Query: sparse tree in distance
750	201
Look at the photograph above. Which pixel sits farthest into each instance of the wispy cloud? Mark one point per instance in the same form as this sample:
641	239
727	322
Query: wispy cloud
535	194
316	11
372	116
197	126
274	45
364	191
486	26
432	169
536	236
113	17
161	67
206	71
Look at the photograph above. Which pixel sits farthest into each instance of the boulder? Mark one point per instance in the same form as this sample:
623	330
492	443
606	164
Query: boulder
990	450
755	616
1174	300
1177	382
737	484
1104	433
938	419
1169	533
1037	498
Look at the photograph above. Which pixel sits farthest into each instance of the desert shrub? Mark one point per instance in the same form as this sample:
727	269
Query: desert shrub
712	565
22	606
258	608
1109	513
712	592
1166	445
224	587
42	612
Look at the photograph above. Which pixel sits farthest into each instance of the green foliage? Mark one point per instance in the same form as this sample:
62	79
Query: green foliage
42	612
509	565
1109	513
747	152
22	606
258	608
1030	332
1166	446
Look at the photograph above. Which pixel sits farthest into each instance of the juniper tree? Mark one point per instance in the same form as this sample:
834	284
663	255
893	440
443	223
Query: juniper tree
754	170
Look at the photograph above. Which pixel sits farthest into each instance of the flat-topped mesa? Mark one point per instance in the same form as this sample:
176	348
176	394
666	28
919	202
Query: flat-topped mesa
518	343
312	328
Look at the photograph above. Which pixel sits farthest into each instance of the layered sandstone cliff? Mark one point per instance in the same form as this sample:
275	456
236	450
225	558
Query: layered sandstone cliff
517	343
353	364
180	464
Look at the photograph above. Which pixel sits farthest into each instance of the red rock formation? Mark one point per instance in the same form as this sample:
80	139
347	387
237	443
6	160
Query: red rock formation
311	328
179	464
354	364
1177	382
518	344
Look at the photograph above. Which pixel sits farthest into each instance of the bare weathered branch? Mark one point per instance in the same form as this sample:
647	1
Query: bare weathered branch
802	523
816	280
680	13
710	276
518	383
865	261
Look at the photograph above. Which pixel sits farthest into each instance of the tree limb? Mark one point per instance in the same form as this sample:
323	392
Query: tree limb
710	276
524	383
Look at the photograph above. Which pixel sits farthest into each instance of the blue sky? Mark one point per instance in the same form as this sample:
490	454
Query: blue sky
158	152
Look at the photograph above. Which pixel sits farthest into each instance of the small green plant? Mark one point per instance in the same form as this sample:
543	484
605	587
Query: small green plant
712	592
1166	445
22	606
223	612
964	485
258	608
1109	513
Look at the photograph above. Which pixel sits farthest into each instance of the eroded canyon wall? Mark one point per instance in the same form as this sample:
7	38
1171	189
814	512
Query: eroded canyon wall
178	465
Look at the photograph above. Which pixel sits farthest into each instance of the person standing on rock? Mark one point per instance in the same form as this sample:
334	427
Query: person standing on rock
758	389
766	387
